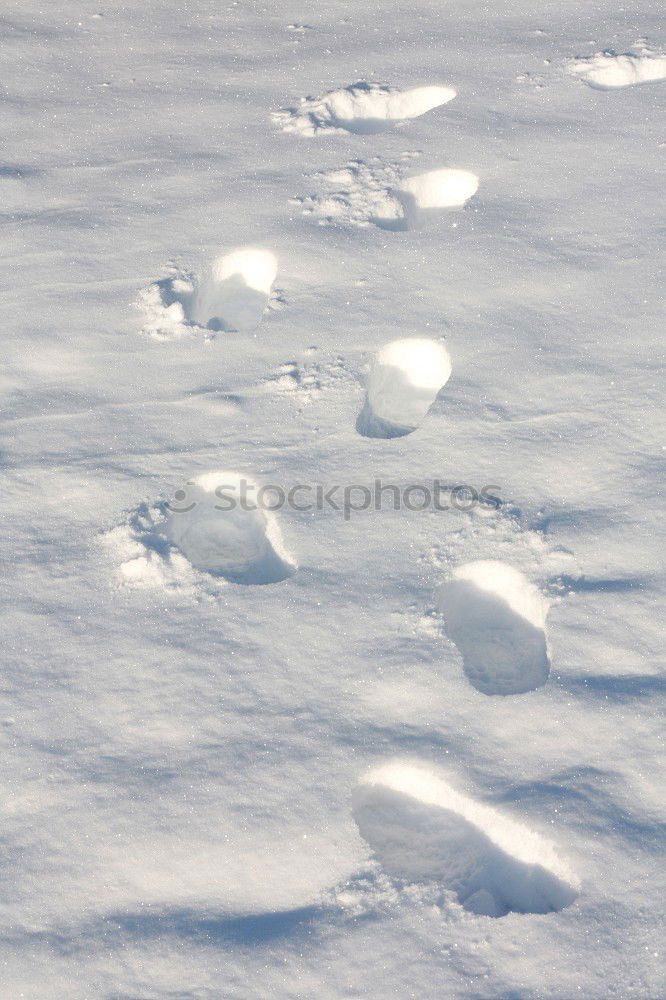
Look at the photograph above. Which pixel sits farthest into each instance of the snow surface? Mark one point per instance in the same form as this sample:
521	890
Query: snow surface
214	788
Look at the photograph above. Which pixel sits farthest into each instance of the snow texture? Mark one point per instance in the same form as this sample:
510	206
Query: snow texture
289	753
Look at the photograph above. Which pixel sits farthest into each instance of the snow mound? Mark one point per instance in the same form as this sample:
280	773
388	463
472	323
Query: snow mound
361	107
608	70
232	296
220	527
421	830
404	380
496	618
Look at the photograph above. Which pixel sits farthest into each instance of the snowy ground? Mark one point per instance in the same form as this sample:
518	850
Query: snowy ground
374	776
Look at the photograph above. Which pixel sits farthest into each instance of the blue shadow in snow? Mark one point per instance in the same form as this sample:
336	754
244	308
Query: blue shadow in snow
618	585
586	798
18	170
616	687
251	930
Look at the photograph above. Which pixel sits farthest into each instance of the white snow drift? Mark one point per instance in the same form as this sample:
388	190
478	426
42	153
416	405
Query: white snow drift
404	380
496	618
210	527
608	70
422	830
361	107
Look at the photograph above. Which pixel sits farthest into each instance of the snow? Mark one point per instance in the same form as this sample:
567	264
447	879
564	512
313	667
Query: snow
221	526
186	804
361	107
382	194
420	828
607	70
497	619
403	383
440	188
232	295
236	292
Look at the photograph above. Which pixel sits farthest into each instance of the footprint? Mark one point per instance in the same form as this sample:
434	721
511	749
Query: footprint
608	70
236	291
166	306
211	525
375	193
232	296
431	192
363	108
404	380
305	381
358	194
422	830
496	618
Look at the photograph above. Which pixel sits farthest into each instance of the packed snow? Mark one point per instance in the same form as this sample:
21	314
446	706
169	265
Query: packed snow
404	380
496	618
333	448
422	829
361	107
607	70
